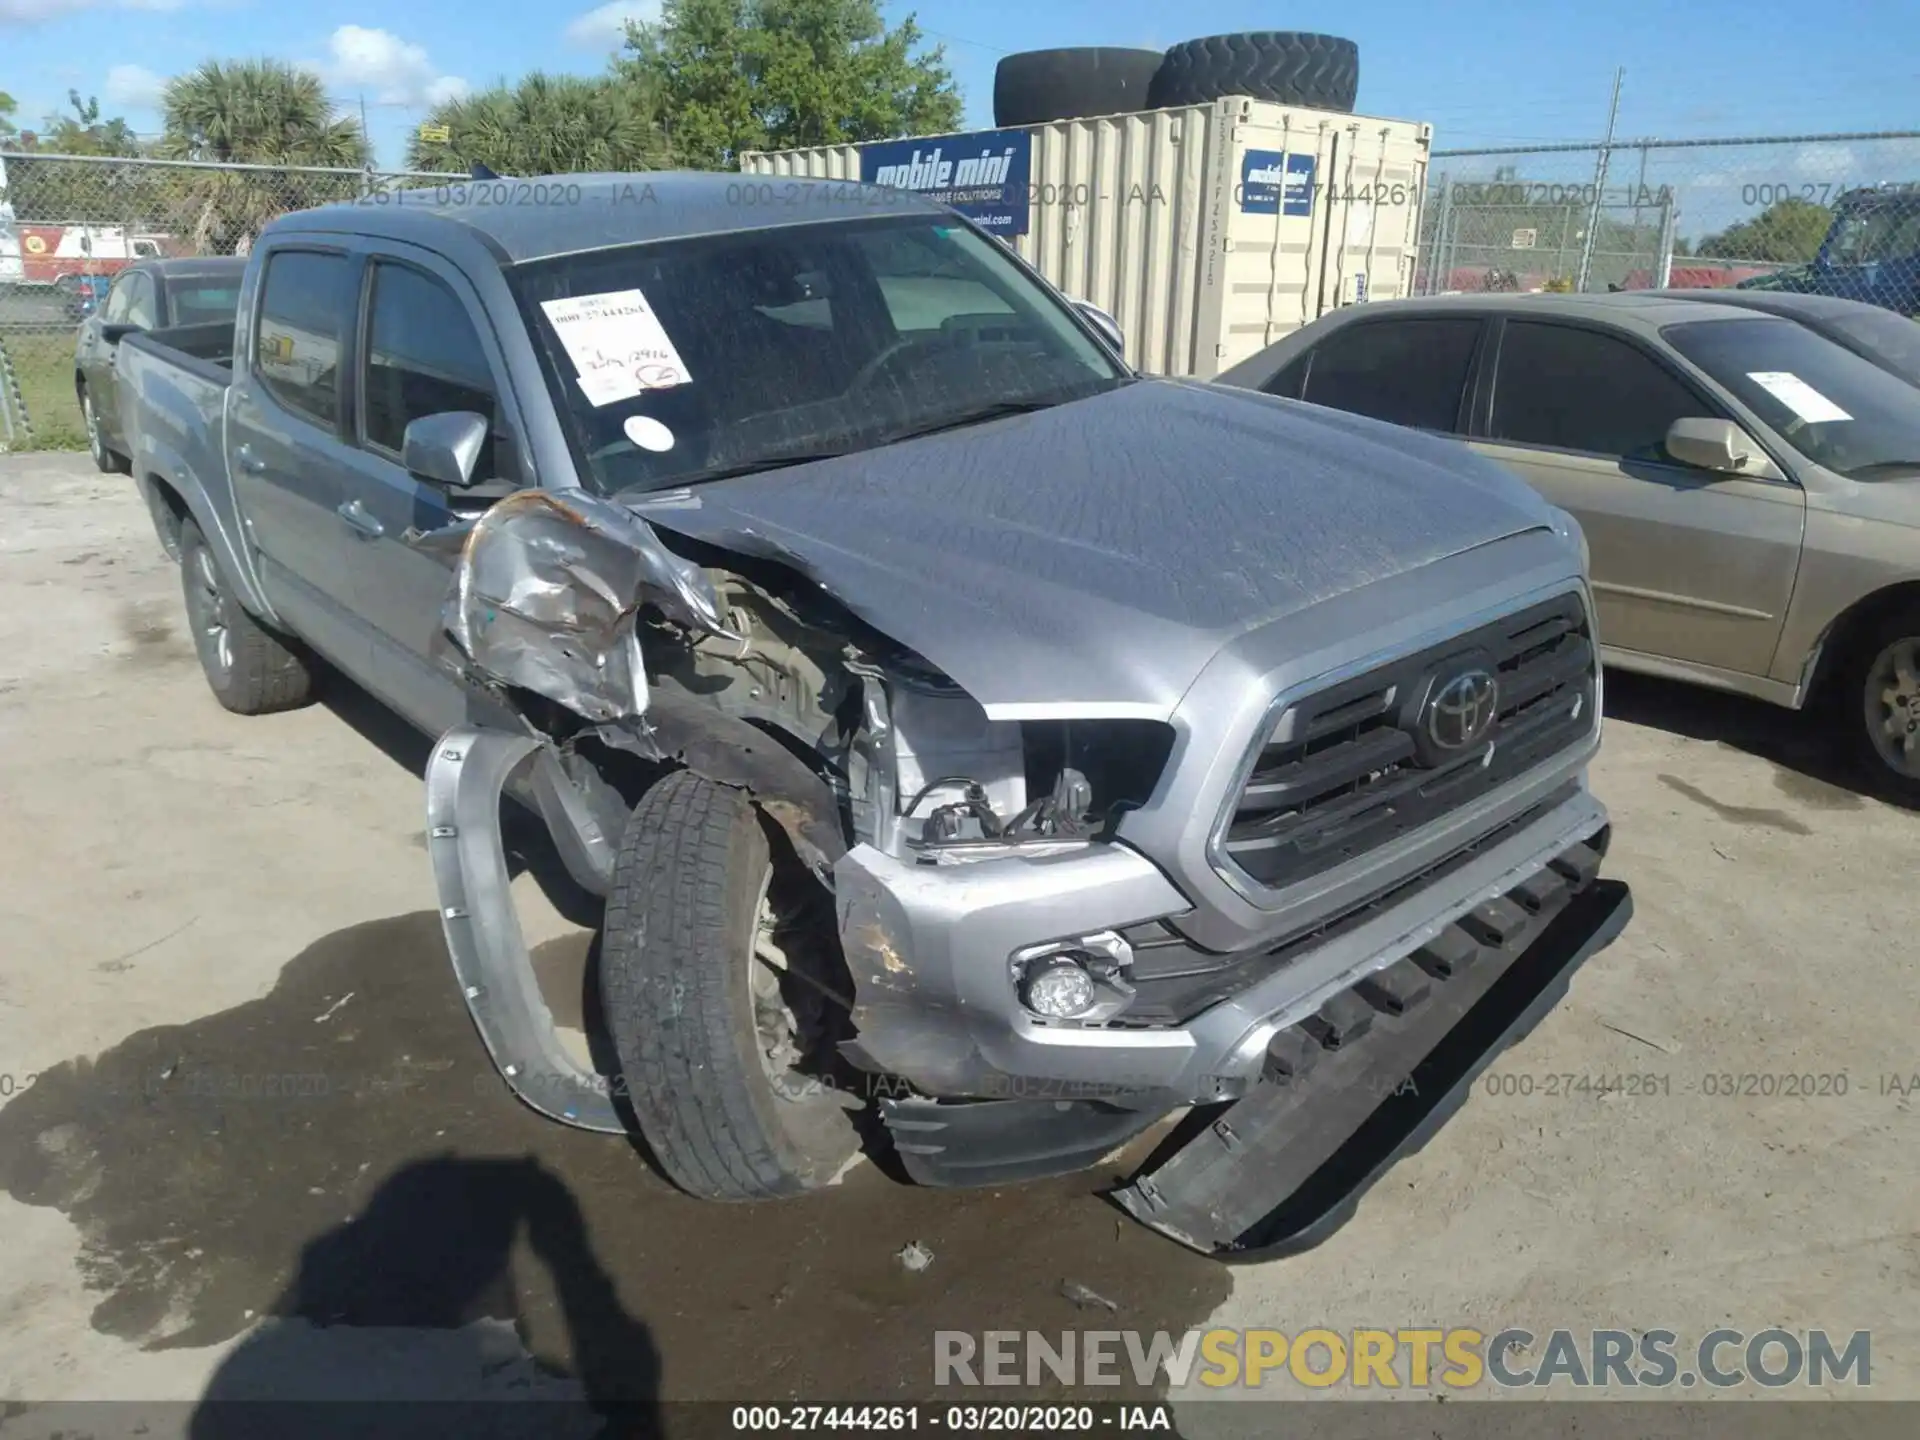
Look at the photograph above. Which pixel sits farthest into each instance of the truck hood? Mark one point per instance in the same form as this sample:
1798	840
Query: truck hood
1090	559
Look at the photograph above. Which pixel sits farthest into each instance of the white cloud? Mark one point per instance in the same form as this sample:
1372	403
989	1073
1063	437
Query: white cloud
1826	161
606	27
385	68
133	87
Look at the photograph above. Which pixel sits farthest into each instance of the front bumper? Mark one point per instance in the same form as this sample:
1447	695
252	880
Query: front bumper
1339	1096
929	949
1280	1170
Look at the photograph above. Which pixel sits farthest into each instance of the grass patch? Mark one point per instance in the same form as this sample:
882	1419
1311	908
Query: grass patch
43	368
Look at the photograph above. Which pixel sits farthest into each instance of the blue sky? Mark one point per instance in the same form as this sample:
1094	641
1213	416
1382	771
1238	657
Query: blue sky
1484	72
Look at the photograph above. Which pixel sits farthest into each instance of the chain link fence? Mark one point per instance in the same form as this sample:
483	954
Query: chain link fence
69	224
1823	214
1828	214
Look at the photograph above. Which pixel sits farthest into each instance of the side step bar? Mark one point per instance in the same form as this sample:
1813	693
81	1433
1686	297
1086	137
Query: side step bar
469	771
1372	1076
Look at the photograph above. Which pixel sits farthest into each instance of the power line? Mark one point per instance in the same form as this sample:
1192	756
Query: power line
962	40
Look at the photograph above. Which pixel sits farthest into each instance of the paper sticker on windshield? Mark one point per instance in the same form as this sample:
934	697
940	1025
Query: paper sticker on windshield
1798	396
648	433
617	344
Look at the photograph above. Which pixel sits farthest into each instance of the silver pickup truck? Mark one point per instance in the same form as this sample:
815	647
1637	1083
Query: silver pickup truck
962	730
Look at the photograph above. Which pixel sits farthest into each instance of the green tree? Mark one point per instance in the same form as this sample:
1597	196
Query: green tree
66	191
9	107
263	112
256	112
85	133
1789	231
546	125
734	75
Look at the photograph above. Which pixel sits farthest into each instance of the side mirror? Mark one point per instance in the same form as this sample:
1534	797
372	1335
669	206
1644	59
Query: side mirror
1717	445
114	332
443	449
1108	327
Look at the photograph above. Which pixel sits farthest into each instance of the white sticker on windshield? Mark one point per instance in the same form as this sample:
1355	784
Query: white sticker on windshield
617	344
648	433
1798	396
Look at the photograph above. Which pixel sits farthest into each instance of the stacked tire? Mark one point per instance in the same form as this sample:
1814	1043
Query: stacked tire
1288	67
1037	87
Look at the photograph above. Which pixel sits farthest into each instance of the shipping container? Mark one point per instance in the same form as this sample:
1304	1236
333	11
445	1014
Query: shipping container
1208	232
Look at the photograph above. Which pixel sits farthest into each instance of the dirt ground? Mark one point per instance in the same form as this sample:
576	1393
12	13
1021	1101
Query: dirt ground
250	1144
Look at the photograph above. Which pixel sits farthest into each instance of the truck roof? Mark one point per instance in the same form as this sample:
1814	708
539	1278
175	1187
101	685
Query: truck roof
533	217
1645	310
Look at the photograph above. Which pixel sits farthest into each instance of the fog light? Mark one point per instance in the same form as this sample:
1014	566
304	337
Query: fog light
1058	988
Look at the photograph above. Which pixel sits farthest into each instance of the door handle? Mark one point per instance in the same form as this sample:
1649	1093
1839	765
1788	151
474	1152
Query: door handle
361	520
249	462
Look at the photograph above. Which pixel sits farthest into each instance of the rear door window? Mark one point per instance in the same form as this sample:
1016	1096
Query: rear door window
1577	389
305	307
1411	372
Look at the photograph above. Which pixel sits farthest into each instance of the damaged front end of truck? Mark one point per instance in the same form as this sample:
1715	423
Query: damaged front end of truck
601	659
1005	962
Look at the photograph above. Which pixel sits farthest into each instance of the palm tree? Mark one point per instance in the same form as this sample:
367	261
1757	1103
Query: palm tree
546	125
255	112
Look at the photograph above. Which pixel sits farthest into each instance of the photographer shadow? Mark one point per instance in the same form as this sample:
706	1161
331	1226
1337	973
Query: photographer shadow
402	1321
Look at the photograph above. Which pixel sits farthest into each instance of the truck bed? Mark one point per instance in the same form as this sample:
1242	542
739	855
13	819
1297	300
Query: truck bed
204	350
172	393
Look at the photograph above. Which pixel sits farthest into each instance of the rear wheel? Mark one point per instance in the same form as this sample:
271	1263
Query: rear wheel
107	461
1882	700
250	670
725	1048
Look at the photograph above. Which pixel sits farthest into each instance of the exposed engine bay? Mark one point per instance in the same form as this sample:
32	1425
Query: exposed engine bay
577	601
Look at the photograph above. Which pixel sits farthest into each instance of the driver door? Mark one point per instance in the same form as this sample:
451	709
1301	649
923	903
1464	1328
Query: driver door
423	347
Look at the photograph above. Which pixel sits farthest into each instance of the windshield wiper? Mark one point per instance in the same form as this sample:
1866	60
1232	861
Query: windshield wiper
745	467
979	416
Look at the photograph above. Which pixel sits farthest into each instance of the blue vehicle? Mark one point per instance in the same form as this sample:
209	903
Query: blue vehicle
86	293
1871	252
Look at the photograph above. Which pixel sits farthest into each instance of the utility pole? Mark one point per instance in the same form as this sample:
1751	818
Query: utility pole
1599	188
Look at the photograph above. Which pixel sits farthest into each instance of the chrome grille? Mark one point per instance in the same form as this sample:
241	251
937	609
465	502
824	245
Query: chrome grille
1362	762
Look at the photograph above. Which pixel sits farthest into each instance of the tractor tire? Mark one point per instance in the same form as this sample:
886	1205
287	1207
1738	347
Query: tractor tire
1288	67
1037	87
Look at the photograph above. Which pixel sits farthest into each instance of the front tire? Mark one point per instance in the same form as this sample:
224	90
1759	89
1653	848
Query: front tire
728	1113
1881	694
250	670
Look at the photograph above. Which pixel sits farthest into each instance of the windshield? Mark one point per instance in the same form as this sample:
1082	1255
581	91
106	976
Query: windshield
1835	408
1883	230
680	360
198	303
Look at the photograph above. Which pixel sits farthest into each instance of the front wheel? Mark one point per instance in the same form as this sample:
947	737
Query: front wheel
1883	693
715	969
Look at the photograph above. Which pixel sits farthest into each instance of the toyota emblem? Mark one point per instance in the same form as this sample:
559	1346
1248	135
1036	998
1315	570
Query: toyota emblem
1462	710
